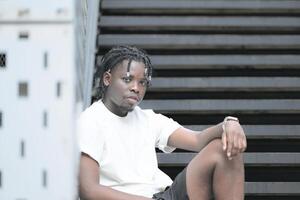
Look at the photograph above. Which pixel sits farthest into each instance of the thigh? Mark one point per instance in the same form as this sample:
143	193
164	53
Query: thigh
177	191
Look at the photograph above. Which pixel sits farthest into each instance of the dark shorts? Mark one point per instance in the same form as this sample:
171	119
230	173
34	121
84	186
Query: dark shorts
177	191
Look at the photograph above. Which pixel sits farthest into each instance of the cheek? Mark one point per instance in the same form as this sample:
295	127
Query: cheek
143	91
120	88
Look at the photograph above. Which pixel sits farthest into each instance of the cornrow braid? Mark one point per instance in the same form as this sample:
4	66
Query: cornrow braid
117	55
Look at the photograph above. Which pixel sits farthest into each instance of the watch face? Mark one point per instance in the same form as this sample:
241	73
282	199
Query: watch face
229	118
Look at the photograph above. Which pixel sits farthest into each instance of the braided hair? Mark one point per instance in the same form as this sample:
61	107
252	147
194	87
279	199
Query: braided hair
115	56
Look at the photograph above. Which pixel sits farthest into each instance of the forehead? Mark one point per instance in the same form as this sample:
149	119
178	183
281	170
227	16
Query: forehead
136	68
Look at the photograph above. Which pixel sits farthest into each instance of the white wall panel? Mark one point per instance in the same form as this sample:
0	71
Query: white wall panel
38	148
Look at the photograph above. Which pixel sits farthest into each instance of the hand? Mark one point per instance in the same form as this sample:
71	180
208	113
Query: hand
233	138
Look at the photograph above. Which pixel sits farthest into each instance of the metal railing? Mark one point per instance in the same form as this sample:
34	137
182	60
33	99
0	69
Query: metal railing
86	28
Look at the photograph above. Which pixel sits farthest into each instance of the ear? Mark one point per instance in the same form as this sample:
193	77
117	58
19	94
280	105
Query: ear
106	78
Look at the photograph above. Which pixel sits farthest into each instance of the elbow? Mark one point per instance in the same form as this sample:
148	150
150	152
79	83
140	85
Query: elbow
87	192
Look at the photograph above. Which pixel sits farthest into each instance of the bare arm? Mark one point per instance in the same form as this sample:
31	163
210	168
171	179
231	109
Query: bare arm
234	139
89	187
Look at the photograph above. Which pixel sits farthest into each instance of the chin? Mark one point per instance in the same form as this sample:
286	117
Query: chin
131	108
128	108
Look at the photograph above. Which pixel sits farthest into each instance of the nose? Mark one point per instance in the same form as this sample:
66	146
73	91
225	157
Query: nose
135	87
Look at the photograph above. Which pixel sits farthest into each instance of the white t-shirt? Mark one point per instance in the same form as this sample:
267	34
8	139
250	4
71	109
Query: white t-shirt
124	147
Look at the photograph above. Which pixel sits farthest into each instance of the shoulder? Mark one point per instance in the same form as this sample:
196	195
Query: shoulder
151	115
88	125
91	114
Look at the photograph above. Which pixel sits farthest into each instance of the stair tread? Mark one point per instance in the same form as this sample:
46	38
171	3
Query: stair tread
225	83
263	131
223	106
200	22
257	158
171	41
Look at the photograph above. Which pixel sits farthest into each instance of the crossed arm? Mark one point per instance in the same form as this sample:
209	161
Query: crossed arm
233	140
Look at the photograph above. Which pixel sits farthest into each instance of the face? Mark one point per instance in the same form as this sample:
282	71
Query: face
124	92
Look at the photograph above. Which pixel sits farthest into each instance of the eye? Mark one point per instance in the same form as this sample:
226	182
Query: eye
144	82
126	79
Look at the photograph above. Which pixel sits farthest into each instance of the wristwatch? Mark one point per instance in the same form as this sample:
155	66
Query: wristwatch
228	118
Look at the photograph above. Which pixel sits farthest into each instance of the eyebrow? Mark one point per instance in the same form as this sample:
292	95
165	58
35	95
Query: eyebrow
131	76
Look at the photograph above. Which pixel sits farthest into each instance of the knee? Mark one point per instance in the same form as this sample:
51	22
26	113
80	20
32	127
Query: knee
212	152
215	147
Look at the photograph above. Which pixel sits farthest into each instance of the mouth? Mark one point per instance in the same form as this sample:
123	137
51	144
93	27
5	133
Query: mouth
133	98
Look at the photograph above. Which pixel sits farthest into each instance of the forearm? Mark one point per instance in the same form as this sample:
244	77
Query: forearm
231	133
187	139
100	192
207	135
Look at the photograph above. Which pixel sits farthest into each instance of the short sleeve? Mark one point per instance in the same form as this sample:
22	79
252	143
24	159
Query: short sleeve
89	137
165	127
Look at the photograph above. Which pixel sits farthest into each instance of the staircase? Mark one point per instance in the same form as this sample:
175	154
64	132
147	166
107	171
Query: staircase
218	58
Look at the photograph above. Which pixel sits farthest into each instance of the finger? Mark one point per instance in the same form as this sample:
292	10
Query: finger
245	143
235	146
229	145
234	153
241	146
224	140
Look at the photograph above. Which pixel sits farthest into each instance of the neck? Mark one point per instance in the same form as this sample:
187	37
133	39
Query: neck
117	110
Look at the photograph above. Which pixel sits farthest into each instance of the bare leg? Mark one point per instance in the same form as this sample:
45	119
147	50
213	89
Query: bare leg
212	172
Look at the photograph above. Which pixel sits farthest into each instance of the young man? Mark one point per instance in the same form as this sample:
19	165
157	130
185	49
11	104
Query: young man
118	139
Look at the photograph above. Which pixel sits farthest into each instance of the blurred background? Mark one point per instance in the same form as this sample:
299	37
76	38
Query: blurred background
211	58
46	68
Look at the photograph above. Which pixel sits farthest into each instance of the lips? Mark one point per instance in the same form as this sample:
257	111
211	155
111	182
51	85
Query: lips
135	98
